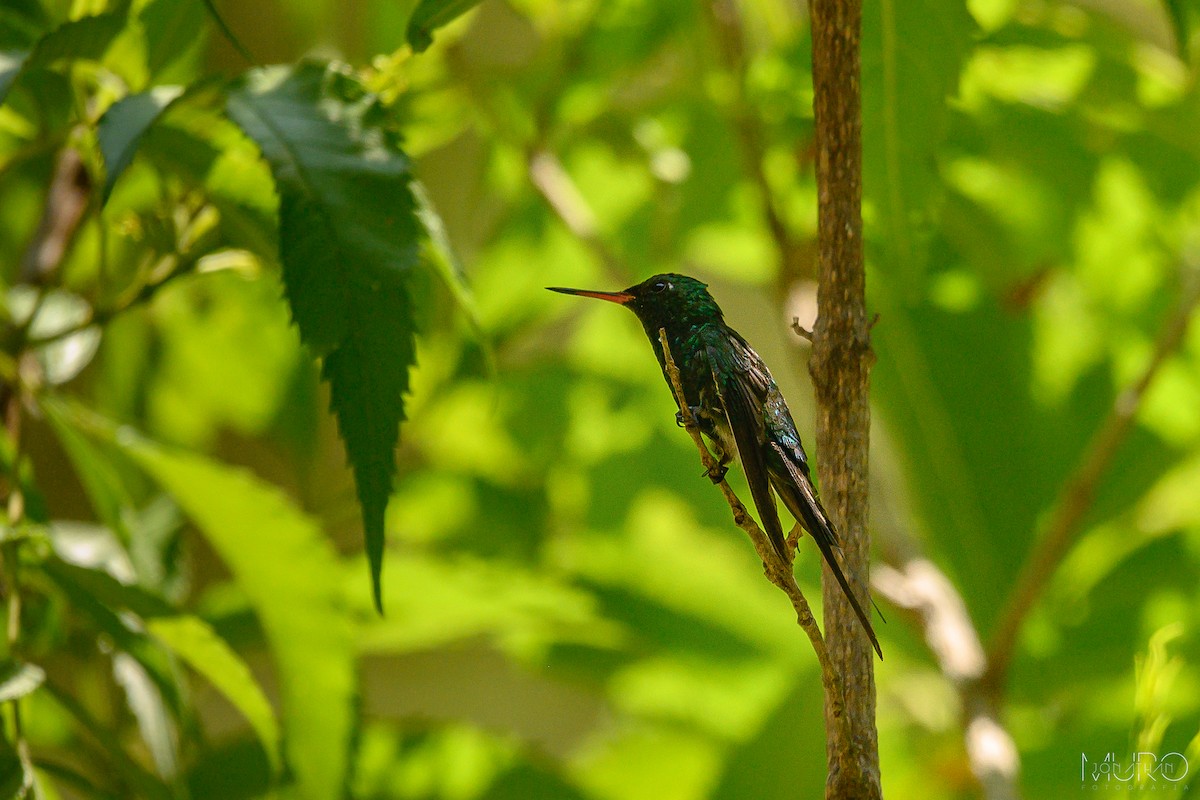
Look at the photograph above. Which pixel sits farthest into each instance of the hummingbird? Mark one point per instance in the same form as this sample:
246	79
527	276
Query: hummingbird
737	406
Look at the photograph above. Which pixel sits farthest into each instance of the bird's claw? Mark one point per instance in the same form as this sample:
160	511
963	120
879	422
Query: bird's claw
716	473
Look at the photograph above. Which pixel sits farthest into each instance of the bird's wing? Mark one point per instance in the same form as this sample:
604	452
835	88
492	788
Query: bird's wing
734	377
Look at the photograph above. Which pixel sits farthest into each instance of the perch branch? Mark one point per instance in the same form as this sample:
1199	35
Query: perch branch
840	366
1075	498
778	572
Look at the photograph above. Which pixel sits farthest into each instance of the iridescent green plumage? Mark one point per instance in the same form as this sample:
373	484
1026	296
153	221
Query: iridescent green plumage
739	408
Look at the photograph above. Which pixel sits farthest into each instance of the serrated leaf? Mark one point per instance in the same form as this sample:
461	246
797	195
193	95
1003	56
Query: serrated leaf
288	571
194	641
431	15
912	53
18	680
87	38
122	126
349	234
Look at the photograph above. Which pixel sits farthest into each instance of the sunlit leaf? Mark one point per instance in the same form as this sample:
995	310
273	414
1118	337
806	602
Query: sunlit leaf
289	573
195	642
349	234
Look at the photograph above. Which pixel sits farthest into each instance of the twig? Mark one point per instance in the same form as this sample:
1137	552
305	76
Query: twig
778	572
66	206
1075	498
917	584
801	331
562	196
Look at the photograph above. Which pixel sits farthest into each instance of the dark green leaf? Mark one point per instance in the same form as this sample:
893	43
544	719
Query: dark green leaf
14	780
106	618
110	591
431	15
122	126
349	234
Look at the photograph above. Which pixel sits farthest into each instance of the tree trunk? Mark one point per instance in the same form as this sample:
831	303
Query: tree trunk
840	363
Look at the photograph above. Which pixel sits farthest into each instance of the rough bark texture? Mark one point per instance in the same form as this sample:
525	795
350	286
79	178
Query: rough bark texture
840	364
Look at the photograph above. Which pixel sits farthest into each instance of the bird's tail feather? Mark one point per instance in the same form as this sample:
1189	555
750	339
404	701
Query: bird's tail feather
800	496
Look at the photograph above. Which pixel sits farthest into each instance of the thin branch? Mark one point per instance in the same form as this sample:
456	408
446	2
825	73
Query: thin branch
916	584
66	206
562	196
778	572
1075	498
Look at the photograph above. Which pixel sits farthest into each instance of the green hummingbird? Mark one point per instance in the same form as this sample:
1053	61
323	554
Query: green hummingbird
738	407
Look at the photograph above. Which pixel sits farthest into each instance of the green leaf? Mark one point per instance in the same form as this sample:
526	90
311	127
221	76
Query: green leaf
912	53
122	126
87	38
78	583
18	680
175	37
207	653
111	592
289	573
101	479
349	235
431	15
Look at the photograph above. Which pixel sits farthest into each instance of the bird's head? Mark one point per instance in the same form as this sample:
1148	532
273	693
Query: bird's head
669	300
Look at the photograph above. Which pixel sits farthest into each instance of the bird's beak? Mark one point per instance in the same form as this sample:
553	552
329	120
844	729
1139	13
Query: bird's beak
621	298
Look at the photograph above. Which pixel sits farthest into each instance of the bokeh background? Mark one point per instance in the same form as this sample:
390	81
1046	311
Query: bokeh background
570	613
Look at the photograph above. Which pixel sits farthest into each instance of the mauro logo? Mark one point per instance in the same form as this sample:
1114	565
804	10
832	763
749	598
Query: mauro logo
1140	769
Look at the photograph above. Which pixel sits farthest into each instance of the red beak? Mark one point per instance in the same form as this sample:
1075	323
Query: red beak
621	298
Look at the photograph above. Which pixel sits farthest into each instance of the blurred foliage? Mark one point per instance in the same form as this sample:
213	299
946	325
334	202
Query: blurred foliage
569	613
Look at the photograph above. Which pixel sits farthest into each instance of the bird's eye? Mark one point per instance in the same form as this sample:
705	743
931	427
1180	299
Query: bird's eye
659	287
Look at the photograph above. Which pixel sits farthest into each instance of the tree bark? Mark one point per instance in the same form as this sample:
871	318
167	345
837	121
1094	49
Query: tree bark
840	365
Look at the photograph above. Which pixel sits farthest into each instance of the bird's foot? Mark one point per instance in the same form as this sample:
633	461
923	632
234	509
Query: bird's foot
716	473
695	412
